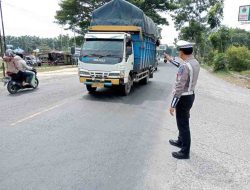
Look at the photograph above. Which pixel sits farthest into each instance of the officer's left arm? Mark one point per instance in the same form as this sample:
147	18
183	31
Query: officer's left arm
181	80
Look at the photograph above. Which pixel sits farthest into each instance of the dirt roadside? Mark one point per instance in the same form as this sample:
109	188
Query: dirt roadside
231	77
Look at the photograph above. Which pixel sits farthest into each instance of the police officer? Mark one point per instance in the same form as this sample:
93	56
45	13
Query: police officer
183	95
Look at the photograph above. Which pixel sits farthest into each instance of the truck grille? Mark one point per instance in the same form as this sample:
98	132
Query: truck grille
98	75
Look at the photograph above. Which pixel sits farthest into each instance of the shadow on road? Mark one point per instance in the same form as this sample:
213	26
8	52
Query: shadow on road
153	91
23	91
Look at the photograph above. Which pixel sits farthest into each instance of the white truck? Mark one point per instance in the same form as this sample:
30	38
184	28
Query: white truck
114	54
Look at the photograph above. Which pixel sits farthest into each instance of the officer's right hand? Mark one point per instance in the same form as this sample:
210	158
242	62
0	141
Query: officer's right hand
166	57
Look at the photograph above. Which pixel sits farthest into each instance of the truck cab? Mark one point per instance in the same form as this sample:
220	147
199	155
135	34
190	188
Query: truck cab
106	60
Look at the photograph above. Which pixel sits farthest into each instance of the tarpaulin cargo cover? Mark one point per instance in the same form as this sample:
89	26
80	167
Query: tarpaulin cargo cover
123	13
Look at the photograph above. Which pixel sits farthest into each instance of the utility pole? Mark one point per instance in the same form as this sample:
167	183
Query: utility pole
74	45
61	37
3	44
2	53
61	43
74	38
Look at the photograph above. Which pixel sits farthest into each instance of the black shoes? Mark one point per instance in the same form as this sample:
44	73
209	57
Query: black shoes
175	143
180	155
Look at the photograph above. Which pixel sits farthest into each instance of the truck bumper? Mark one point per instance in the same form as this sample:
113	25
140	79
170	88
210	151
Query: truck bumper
101	82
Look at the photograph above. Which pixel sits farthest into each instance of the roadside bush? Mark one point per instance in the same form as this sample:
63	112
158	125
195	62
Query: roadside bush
238	58
219	62
208	59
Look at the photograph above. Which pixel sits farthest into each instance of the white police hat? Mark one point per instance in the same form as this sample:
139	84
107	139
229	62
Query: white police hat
184	44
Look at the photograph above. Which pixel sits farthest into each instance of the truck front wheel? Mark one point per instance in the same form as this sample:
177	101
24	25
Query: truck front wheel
90	88
126	88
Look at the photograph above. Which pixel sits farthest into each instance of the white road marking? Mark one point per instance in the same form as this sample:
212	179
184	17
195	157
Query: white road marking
36	114
41	112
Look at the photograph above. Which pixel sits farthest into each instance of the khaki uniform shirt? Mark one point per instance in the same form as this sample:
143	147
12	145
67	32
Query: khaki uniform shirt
187	77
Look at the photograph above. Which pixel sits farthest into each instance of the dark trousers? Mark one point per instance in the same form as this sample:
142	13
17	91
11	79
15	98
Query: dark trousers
27	76
182	118
18	76
23	76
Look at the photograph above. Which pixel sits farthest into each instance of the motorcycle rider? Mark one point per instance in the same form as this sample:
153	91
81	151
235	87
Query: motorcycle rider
17	68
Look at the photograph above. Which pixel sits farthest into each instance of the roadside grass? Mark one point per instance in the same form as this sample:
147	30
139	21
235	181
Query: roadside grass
238	78
1	71
243	73
45	68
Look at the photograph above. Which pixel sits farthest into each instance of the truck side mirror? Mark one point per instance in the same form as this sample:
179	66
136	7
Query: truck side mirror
128	50
158	43
129	43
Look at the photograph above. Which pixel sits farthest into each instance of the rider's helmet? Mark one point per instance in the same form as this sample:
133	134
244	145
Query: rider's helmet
9	53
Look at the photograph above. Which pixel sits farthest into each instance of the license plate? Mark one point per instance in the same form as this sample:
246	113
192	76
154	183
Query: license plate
6	80
97	85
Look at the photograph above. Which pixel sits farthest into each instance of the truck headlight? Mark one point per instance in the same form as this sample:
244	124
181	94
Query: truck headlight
117	74
84	73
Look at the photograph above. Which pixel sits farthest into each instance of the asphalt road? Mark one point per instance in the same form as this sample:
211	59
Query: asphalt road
61	137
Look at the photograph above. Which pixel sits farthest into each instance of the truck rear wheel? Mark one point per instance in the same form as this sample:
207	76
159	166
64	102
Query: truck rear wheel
90	88
151	75
145	80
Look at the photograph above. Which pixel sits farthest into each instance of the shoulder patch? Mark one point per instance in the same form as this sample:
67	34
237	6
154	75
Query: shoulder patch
181	70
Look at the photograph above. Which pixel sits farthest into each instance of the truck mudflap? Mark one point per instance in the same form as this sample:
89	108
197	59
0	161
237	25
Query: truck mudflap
101	82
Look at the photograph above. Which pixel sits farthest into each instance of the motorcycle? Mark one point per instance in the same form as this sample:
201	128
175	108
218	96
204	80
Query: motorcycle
14	84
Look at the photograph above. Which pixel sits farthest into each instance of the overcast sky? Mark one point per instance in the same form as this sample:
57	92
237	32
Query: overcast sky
36	18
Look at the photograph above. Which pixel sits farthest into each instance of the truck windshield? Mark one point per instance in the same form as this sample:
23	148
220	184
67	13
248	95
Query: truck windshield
103	48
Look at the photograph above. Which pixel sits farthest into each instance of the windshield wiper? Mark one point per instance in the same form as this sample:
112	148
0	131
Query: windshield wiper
92	55
111	55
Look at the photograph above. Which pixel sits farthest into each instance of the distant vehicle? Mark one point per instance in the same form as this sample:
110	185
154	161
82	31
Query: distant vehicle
33	61
15	84
38	61
29	61
43	59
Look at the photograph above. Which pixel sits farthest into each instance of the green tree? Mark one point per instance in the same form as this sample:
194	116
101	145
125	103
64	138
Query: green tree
29	43
238	58
206	12
215	15
220	39
240	37
195	19
195	32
